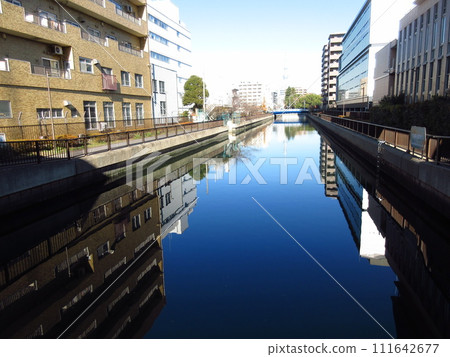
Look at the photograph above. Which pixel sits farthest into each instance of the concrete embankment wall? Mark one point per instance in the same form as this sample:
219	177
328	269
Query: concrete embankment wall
35	182
429	181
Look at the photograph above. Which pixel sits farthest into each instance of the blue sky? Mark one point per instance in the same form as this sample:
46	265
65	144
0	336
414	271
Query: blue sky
237	41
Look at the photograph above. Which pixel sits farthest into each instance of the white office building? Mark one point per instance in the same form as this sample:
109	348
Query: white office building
170	57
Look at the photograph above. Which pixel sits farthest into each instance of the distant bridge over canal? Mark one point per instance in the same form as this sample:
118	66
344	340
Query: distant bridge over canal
288	116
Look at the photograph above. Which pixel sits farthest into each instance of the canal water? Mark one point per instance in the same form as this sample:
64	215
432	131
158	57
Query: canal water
276	232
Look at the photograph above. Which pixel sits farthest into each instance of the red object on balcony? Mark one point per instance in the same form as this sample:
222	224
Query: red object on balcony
109	82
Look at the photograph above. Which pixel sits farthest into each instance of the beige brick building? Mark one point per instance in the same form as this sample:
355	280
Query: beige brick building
74	61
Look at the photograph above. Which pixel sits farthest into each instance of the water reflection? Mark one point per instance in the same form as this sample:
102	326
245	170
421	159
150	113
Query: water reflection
101	275
391	228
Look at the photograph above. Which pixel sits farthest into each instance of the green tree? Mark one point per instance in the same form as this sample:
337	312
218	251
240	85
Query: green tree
290	98
310	101
193	92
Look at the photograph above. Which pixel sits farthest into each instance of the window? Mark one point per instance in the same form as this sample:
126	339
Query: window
168	198
93	32
136	222
52	67
160	57
159	39
108	109
108	71
138	79
125	76
126	112
148	214
15	2
157	22
103	249
86	65
44	113
155	85
140	113
5	109
162	87
90	114
438	76
162	106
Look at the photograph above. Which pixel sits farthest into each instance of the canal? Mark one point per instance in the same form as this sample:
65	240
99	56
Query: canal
276	232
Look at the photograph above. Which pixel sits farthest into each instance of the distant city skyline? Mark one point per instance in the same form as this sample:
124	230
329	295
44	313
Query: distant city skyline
252	41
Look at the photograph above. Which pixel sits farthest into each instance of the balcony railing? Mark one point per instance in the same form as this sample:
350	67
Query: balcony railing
109	82
99	2
89	37
129	49
51	72
129	16
45	22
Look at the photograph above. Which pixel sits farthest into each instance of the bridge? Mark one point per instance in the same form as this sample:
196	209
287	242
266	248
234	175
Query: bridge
287	116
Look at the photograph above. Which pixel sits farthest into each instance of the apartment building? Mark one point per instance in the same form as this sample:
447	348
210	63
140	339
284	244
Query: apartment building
74	62
330	69
170	52
423	56
375	26
251	93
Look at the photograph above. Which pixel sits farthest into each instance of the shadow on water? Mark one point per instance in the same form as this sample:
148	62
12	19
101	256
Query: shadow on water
89	262
411	237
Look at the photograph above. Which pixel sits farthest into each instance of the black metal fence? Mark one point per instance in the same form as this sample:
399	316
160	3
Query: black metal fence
38	151
44	130
437	148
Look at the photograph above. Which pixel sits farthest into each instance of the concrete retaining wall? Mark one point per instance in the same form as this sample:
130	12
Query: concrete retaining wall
426	179
82	171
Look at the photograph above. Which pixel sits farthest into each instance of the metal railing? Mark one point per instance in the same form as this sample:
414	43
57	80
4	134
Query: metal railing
39	151
436	148
131	50
45	22
99	2
43	71
129	16
89	37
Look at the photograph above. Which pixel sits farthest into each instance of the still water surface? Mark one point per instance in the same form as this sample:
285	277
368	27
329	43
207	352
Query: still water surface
242	252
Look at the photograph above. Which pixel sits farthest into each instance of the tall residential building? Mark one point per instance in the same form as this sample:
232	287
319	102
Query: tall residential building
74	62
330	68
251	93
170	51
423	62
384	74
374	27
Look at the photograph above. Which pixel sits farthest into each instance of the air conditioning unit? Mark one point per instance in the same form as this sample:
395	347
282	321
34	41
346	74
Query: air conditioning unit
58	50
127	8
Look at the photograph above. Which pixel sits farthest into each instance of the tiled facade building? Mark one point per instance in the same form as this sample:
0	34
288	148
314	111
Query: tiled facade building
330	69
423	51
74	61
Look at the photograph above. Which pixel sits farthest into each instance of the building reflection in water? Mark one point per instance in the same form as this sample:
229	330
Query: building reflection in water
100	276
93	267
388	231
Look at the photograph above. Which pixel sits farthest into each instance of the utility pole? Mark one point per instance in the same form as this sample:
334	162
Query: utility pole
50	105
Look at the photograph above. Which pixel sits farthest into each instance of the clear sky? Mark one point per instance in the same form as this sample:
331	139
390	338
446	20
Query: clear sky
244	40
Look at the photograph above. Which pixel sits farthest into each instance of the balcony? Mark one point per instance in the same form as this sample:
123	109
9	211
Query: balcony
130	49
45	22
129	16
99	2
109	82
88	37
51	72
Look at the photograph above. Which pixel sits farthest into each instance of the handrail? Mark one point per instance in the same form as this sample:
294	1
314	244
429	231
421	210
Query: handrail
38	151
433	146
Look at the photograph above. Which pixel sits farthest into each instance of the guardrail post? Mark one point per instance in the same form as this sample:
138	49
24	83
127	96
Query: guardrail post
156	133
67	149
38	152
438	155
143	136
128	138
85	145
395	138
108	141
167	131
427	148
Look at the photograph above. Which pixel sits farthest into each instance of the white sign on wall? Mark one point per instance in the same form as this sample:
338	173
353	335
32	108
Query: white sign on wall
418	137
